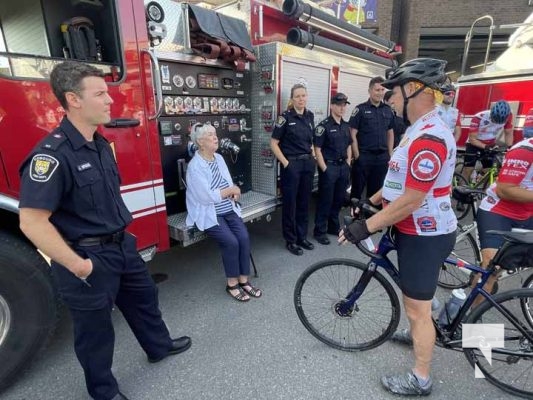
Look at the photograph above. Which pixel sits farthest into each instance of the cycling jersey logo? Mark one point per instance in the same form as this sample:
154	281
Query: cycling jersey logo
393	185
427	224
425	166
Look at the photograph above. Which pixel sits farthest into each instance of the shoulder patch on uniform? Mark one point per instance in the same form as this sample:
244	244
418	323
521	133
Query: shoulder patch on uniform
280	122
319	130
355	111
53	141
43	167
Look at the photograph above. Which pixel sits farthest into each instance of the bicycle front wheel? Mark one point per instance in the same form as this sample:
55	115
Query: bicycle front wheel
324	285
467	249
512	364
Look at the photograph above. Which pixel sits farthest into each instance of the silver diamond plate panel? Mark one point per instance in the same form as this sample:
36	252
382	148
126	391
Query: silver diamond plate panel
254	205
174	40
264	165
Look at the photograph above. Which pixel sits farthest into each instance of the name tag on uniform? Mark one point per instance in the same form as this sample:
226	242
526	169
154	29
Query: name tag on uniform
368	112
292	123
333	130
84	166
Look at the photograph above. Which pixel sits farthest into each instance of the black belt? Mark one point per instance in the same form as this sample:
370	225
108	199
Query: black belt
116	237
299	157
338	161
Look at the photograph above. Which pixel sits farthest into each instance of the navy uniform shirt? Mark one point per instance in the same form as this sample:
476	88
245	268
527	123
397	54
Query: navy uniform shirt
77	181
332	138
372	124
294	132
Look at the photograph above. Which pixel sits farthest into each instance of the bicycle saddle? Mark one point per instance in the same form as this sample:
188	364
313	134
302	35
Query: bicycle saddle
524	236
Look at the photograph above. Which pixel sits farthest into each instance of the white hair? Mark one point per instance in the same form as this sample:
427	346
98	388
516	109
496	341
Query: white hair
198	131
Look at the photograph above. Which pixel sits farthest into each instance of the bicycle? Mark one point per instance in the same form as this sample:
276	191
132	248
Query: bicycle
467	247
481	180
351	306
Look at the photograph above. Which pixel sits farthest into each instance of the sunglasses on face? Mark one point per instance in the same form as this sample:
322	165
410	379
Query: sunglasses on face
451	94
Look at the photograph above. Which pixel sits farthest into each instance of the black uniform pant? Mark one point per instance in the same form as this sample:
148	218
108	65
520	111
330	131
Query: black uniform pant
119	277
332	184
369	171
296	183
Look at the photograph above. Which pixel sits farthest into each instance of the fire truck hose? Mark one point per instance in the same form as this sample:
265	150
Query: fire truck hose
208	50
301	38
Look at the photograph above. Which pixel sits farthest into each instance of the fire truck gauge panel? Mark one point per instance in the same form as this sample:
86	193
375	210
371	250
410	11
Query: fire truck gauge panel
178	101
178	80
227	83
208	81
221	104
188	102
190	81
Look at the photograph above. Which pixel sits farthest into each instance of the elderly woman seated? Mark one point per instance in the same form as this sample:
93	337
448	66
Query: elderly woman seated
212	205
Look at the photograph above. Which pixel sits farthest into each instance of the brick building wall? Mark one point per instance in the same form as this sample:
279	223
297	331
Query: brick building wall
402	20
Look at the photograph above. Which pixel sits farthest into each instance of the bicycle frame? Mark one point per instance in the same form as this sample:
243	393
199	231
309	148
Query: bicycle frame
445	335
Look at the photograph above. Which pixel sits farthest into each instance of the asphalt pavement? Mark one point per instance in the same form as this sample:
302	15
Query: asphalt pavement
255	350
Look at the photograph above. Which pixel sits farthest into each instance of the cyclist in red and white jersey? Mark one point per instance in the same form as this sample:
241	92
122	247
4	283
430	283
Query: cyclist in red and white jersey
416	199
509	201
484	129
449	114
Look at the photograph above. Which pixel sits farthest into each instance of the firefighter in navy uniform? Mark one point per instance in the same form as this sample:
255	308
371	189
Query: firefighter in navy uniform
71	209
292	144
333	152
371	124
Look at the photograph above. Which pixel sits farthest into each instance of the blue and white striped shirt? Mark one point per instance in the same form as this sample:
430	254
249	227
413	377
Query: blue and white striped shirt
219	182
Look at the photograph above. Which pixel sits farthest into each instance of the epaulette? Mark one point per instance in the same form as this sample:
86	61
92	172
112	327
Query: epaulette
54	140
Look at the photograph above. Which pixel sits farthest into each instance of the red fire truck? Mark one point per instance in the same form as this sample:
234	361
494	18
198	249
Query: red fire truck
509	77
168	65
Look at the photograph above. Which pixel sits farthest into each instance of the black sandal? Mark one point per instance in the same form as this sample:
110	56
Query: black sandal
241	296
253	291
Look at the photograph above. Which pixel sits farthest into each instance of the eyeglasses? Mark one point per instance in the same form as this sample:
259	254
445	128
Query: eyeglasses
449	93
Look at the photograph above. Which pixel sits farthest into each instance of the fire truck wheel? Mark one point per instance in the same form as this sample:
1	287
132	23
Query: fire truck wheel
28	306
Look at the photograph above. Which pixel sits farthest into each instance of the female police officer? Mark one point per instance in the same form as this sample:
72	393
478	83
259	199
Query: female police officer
292	144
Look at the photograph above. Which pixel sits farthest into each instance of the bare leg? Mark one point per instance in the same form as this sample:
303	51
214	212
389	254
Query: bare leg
423	333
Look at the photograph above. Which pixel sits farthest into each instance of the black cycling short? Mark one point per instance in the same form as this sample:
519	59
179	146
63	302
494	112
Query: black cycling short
420	259
490	221
471	156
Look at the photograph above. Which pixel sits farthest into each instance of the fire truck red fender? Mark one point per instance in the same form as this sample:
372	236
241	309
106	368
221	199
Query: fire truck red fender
28	306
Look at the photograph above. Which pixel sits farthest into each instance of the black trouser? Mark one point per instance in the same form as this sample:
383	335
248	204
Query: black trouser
370	171
119	276
332	185
296	185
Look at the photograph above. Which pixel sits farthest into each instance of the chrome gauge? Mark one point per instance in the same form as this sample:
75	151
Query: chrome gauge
213	103
221	104
197	102
178	80
235	104
229	104
190	81
178	102
169	101
188	102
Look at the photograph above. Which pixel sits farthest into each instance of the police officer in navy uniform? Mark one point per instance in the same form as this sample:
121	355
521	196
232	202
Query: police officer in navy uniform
292	144
371	124
333	152
72	210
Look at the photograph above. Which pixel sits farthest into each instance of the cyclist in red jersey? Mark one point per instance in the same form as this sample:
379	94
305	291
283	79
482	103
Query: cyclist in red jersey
509	202
416	200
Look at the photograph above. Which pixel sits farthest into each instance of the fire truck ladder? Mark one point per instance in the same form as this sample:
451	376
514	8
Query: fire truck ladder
468	40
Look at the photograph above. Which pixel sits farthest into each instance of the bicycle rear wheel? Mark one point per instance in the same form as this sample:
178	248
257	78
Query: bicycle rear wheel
324	285
467	249
512	365
459	180
527	304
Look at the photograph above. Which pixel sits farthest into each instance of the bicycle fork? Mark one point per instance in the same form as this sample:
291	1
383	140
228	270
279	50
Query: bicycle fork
348	305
